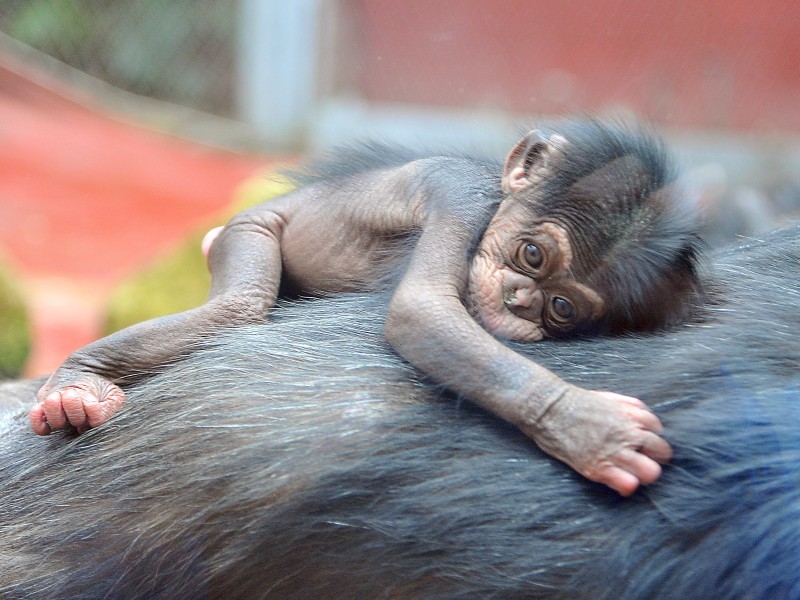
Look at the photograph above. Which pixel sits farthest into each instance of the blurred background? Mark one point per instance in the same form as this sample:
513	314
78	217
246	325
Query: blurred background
128	128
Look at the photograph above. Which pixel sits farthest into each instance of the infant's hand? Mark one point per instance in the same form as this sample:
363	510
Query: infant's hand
82	400
606	437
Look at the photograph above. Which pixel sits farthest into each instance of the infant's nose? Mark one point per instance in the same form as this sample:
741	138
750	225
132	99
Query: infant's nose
522	298
518	289
520	292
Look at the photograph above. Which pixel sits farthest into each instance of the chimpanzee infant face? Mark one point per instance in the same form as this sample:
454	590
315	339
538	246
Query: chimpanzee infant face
521	284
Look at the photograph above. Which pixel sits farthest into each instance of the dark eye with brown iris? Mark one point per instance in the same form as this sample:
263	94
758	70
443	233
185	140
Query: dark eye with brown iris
563	308
534	255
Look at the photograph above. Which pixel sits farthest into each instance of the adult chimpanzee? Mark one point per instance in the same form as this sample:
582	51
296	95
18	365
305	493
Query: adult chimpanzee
579	231
340	474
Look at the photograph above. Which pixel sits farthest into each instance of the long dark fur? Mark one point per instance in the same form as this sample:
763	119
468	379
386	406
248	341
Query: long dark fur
303	459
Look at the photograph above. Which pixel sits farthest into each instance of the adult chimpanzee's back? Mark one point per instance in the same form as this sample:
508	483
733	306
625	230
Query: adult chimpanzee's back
309	461
580	230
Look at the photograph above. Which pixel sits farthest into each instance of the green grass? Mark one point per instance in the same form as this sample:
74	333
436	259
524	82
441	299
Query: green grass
15	337
180	280
173	284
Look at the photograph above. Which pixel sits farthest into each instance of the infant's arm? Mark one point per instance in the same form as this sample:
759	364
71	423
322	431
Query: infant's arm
606	437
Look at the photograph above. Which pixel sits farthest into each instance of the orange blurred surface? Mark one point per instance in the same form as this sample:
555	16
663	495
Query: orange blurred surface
86	198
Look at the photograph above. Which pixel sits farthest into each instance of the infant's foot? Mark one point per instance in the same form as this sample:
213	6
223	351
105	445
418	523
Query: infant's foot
208	240
83	401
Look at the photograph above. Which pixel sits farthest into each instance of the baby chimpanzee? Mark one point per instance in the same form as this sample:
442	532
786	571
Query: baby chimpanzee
578	232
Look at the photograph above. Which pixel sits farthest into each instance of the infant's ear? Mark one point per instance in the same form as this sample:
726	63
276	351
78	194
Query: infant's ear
528	161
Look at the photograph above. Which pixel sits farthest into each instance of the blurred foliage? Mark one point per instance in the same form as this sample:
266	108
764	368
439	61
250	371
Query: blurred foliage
176	283
15	338
182	51
180	280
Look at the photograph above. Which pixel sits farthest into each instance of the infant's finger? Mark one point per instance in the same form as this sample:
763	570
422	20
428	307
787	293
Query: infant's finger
100	410
622	398
54	412
38	420
645	469
655	447
646	419
72	403
620	480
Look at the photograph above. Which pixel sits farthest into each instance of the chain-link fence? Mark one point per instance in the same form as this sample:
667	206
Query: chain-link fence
182	51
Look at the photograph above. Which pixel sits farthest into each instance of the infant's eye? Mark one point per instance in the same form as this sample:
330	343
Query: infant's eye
563	308
534	255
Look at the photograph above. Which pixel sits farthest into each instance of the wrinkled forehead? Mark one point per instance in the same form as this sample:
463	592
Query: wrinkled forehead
598	208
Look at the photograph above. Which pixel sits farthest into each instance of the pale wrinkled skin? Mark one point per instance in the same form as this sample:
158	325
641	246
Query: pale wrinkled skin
493	288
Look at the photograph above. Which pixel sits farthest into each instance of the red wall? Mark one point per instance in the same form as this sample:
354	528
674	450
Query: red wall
707	63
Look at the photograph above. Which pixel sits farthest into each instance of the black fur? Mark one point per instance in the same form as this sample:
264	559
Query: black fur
302	459
613	187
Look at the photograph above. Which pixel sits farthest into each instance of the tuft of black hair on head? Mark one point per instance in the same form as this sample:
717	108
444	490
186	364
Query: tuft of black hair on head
614	188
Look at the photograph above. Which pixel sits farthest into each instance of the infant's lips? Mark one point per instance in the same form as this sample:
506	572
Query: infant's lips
502	321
